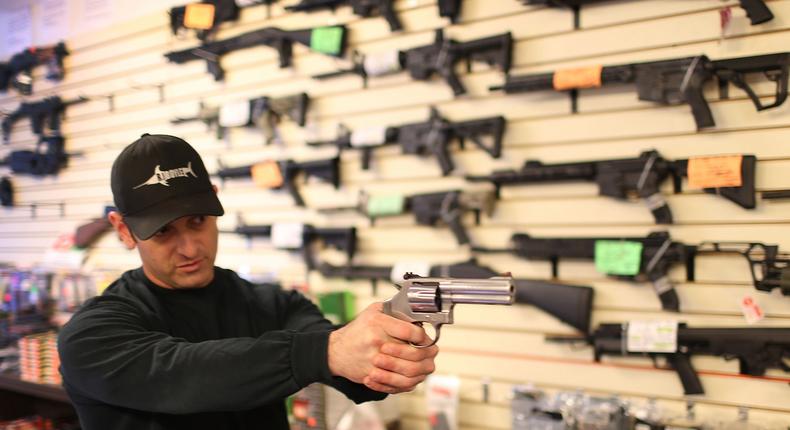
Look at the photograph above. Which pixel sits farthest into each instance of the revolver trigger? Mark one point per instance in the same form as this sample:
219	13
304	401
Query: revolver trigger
436	328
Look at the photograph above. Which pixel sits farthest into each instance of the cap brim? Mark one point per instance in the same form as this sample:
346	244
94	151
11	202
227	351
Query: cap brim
147	222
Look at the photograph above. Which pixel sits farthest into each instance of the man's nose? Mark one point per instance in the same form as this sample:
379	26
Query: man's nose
188	244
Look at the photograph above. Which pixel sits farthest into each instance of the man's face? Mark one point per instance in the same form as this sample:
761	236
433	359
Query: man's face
182	253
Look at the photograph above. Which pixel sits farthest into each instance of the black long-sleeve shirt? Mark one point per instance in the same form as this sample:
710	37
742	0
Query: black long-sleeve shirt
224	356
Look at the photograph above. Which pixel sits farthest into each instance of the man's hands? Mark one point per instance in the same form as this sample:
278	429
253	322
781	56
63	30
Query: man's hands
374	350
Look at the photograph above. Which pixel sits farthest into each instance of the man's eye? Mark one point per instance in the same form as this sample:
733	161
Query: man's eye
198	219
162	231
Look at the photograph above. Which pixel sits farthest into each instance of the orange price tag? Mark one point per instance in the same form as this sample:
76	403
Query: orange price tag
199	16
715	172
583	77
267	174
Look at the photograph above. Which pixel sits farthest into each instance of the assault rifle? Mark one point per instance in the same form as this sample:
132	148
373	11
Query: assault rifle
303	238
668	82
367	8
261	112
326	40
570	304
757	349
639	177
224	11
282	174
640	258
363	8
756	10
47	112
47	159
432	137
428	208
439	58
18	71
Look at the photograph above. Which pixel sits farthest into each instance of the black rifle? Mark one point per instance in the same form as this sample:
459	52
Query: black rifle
282	40
432	137
756	10
757	349
630	177
570	304
440	58
47	159
265	113
769	267
658	254
430	208
18	71
364	8
47	112
327	170
224	11
342	239
346	140
674	81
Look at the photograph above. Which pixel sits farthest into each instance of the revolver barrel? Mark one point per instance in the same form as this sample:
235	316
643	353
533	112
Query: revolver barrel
493	291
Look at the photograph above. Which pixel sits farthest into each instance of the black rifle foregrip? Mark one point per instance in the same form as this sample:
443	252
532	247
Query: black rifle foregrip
757	11
688	376
662	214
293	189
453	80
458	231
670	300
388	11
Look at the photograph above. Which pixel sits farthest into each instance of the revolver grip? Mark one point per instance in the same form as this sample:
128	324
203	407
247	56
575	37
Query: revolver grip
688	376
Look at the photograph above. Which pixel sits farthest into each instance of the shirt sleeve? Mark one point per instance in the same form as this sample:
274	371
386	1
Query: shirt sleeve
110	352
302	315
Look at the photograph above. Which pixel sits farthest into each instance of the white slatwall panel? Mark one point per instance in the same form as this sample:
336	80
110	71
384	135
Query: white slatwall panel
503	344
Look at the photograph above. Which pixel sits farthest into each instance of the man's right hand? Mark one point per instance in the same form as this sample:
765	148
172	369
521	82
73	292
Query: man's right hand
374	350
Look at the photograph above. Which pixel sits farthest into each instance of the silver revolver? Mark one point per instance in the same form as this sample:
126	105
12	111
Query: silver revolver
431	300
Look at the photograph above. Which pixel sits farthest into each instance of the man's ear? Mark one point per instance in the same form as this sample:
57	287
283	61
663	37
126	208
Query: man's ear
124	234
214	186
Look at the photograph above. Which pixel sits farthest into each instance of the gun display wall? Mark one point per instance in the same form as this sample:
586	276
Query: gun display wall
630	156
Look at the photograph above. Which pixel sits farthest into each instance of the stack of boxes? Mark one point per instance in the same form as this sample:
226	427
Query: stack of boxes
38	358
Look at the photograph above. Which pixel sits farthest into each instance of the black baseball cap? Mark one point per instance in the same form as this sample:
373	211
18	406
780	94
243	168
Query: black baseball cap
158	179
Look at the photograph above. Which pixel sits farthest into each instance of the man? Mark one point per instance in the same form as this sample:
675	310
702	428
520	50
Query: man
180	343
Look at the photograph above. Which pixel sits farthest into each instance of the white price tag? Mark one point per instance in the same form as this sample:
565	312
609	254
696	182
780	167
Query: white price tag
235	114
652	336
381	64
287	235
400	268
752	311
371	136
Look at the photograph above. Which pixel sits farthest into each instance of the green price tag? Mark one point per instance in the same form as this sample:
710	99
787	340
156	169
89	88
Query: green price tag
327	40
618	257
385	205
